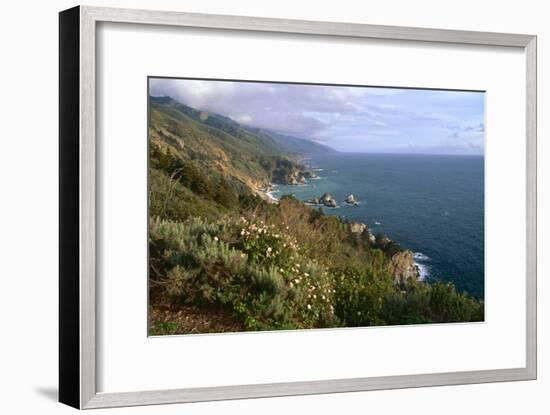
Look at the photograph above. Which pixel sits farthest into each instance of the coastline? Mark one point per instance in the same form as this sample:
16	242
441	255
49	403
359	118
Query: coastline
267	193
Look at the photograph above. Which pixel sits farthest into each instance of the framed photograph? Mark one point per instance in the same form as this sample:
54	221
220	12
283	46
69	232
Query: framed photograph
254	207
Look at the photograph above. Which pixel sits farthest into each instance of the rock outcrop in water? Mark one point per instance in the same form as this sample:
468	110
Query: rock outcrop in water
296	177
350	200
402	267
327	200
290	173
314	201
309	174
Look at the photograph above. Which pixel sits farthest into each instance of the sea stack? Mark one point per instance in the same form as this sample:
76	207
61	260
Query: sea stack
314	201
327	200
351	200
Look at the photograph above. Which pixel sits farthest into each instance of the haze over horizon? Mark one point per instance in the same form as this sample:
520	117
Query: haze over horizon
348	119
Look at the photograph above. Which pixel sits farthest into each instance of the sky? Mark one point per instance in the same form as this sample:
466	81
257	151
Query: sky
352	119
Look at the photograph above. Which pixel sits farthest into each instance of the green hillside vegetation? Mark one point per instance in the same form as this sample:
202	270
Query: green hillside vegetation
223	258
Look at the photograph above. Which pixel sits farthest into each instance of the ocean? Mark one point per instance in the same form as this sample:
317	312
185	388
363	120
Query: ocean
430	204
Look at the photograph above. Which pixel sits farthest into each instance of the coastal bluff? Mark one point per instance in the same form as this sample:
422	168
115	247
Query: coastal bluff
403	267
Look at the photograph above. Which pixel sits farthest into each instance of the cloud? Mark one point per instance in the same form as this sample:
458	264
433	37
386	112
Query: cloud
479	127
352	118
297	109
466	131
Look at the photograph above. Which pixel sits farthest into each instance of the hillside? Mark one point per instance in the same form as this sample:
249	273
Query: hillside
272	140
242	155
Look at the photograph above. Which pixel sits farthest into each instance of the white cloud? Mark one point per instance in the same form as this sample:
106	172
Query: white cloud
336	115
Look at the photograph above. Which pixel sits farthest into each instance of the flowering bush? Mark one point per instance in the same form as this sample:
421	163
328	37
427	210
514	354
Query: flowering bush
262	274
264	244
251	268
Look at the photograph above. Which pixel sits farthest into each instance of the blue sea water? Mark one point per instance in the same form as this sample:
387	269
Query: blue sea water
430	204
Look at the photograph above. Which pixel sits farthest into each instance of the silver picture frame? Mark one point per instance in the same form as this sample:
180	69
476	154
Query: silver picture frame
77	277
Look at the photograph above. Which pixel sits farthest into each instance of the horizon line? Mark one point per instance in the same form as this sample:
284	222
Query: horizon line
411	154
309	139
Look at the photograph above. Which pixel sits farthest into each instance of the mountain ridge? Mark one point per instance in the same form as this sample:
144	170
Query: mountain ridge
289	144
225	153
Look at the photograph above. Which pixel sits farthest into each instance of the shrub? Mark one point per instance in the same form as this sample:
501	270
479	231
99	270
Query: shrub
245	267
448	305
264	244
171	200
283	266
225	195
360	297
406	307
163	328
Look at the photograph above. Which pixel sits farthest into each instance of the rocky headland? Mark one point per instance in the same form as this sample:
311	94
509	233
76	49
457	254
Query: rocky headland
402	265
290	173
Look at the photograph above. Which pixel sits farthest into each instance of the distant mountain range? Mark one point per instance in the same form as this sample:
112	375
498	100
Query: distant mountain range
222	147
293	145
284	143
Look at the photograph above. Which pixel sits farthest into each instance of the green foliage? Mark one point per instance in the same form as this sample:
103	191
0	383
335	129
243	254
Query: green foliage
170	200
389	247
245	267
360	297
163	328
225	195
263	276
282	170
447	305
186	173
